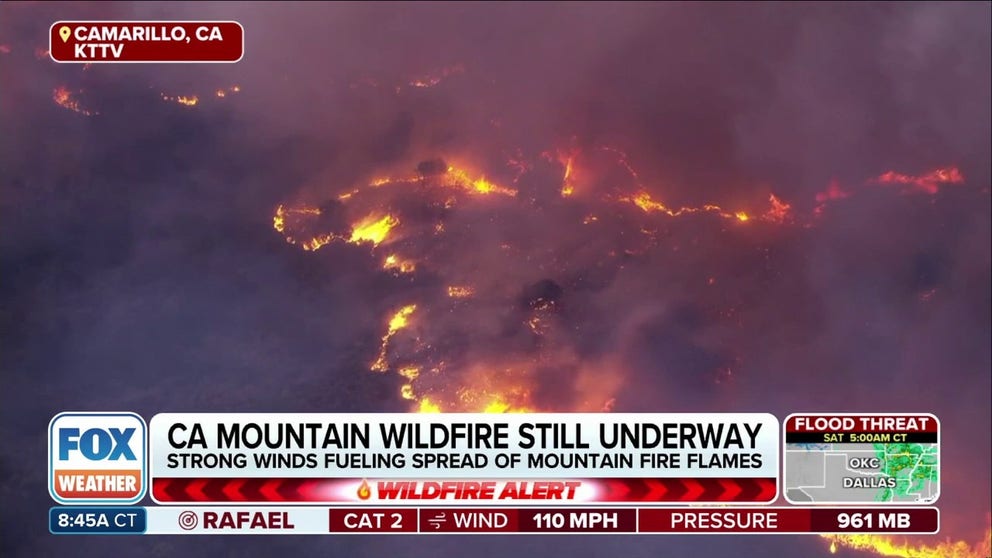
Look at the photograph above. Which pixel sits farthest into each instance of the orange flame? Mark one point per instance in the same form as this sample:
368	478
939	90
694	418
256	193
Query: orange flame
647	204
317	242
397	264
373	229
188	101
289	217
496	400
221	93
889	546
461	178
568	178
384	180
65	98
364	492
428	407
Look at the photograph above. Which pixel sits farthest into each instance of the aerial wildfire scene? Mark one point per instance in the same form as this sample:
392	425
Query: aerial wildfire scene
506	209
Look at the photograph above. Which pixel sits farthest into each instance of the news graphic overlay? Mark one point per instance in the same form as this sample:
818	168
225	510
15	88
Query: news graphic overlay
480	459
790	521
78	520
146	41
96	458
315	520
862	458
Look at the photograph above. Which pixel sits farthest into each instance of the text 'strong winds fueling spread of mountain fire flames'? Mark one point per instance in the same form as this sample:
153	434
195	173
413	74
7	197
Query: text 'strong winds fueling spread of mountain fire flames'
595	184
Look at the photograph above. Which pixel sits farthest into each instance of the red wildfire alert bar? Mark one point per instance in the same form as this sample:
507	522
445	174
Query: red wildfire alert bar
146	41
344	491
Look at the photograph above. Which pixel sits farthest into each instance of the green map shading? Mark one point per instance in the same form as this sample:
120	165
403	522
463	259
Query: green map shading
912	465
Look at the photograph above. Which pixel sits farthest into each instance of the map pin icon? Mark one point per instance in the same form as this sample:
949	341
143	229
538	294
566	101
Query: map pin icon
64	32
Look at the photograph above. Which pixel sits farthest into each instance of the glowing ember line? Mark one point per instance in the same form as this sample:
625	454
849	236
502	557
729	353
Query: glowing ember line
317	242
928	183
399	321
644	201
188	101
461	178
410	372
280	223
460	291
282	212
623	160
388	180
779	212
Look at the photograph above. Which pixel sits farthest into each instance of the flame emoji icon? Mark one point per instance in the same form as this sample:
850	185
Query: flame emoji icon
364	491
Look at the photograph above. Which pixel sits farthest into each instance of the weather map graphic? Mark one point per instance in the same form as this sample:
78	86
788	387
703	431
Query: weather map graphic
895	473
859	458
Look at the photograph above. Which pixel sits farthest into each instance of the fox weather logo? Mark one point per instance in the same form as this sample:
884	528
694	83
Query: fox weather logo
96	458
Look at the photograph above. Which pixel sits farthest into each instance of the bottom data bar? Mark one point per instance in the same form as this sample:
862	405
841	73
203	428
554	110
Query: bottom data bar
789	520
286	520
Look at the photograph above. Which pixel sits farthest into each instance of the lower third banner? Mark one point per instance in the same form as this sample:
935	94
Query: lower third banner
499	492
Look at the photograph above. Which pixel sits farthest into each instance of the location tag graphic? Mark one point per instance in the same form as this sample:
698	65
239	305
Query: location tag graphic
166	42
